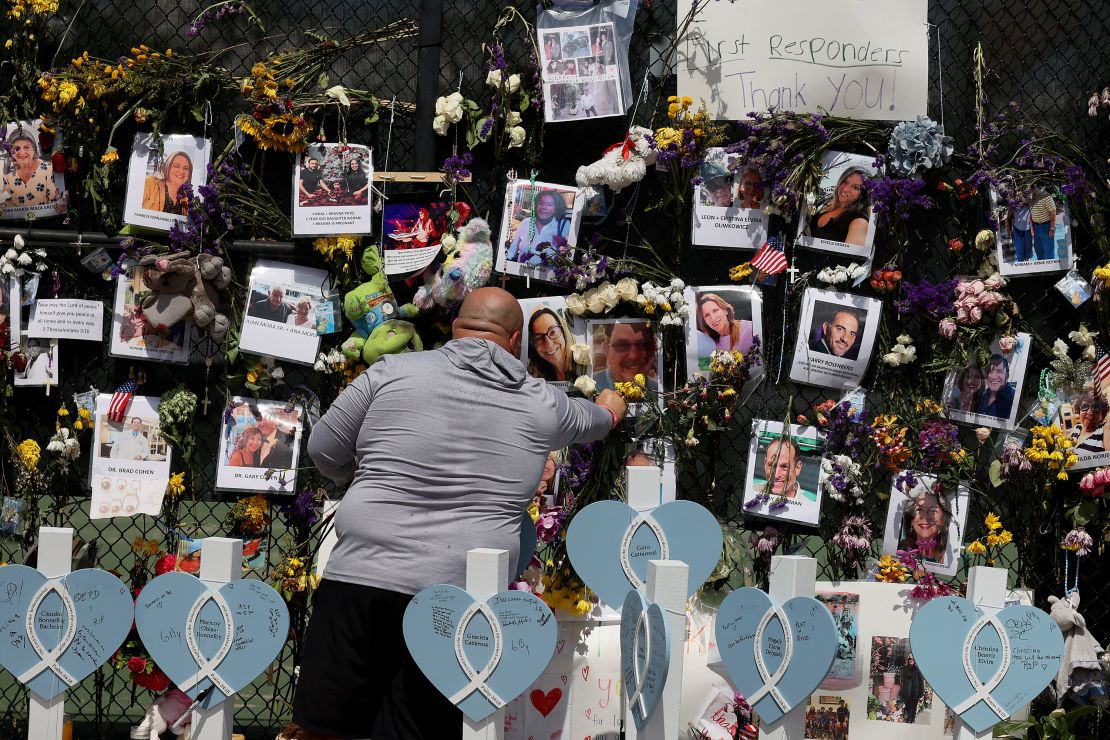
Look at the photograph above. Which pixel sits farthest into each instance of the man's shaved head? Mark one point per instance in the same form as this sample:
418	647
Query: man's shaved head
493	314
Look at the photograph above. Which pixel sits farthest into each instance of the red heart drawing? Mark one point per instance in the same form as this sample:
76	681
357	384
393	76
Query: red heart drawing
589	713
585	673
563	678
559	648
544	703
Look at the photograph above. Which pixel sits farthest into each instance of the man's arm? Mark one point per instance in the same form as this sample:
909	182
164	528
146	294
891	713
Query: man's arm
332	442
581	421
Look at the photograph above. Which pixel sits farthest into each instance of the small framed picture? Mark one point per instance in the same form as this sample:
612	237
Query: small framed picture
413	233
989	394
259	446
729	203
1083	417
41	368
130	460
621	349
331	190
280	318
929	519
835	338
29	186
1034	232
550	332
784	472
535	220
164	174
721	317
841	220
134	336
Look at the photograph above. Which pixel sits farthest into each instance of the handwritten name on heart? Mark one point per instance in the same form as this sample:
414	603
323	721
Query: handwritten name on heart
56	632
610	544
480	655
203	637
776	655
985	668
645	655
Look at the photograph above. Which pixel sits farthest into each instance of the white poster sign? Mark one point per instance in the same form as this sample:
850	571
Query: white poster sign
865	59
67	318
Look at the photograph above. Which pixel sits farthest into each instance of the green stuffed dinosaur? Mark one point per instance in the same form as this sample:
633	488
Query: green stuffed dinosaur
370	307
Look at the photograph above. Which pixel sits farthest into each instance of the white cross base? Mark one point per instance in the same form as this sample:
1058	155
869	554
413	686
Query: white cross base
487	572
55	559
791	575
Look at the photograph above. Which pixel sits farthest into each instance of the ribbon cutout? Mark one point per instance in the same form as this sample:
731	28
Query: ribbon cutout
983	691
664	547
48	658
770	682
207	668
627	147
637	695
477	680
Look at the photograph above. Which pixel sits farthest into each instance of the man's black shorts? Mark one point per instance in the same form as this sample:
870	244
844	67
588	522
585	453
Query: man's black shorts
357	678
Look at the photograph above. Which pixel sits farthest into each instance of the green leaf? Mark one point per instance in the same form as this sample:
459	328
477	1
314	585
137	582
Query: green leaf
525	101
323	80
373	118
995	473
1084	512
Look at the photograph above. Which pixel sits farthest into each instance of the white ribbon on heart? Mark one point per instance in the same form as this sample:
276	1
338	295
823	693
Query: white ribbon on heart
626	541
983	690
48	658
207	668
770	682
477	679
636	696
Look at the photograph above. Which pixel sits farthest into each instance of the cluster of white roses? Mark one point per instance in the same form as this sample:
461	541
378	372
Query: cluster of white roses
332	362
841	478
451	108
841	274
17	259
667	298
1084	338
603	297
66	445
902	353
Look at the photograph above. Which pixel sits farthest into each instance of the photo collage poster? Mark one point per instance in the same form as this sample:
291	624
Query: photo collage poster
331	190
412	234
1034	232
535	219
581	73
784	474
130	460
841	219
835	339
989	394
259	446
728	203
165	173
721	317
550	333
287	309
132	333
30	186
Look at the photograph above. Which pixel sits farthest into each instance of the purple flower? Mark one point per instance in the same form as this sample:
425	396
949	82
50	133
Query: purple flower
934	299
301	511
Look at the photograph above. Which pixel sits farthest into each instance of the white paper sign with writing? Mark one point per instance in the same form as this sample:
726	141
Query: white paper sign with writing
67	318
865	59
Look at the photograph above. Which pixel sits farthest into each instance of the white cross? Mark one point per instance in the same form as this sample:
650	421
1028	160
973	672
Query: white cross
792	272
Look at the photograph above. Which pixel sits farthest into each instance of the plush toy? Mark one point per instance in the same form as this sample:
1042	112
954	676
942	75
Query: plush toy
466	265
368	305
161	715
1081	676
184	286
391	338
622	164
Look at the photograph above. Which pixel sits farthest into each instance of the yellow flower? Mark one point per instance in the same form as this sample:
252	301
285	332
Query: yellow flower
992	539
151	547
78	425
1005	537
740	272
992	521
83	413
534	511
29	453
975	547
176	485
891	570
109	156
63	411
252	376
137	545
67	91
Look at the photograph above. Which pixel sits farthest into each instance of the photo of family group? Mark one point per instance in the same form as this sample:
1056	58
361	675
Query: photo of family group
729	203
331	190
165	173
29	186
922	516
1084	420
988	393
721	317
537	219
897	691
548	338
581	76
845	671
286	311
134	336
412	233
259	446
621	349
827	717
130	460
841	219
1034	231
784	472
835	348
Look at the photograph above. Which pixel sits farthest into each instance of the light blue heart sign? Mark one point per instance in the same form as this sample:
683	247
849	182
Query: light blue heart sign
56	632
610	544
202	637
776	656
645	655
480	655
985	668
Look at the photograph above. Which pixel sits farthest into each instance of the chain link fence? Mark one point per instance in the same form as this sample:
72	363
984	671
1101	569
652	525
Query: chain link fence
1047	55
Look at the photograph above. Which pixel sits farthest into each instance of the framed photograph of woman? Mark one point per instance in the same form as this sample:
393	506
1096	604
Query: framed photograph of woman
729	203
550	332
721	317
841	219
331	190
259	446
927	518
1083	417
784	472
133	335
164	174
40	363
29	186
537	220
987	391
1034	231
835	338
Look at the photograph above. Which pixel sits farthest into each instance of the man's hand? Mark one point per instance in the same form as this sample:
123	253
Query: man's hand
613	401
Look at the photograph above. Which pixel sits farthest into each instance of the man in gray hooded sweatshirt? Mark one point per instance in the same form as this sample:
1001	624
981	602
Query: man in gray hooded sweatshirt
443	451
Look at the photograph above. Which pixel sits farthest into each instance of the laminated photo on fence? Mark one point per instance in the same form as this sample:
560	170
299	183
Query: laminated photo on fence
721	317
840	219
581	75
1034	231
784	472
923	516
164	175
835	338
412	234
39	366
988	393
134	336
1083	417
550	335
280	316
259	446
30	186
130	459
729	203
331	190
537	221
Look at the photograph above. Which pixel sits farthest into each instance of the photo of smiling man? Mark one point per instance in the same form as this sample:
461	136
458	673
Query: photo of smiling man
835	338
839	335
784	472
623	349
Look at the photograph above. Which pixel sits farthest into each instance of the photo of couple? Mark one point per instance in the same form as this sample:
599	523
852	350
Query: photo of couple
261	435
331	190
988	393
1035	231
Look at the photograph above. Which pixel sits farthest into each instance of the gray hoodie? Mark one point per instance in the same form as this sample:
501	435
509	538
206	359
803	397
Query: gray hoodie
444	450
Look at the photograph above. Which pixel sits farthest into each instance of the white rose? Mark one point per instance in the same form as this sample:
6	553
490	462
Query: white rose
439	125
580	353
447	242
512	118
586	384
277	373
319	366
450	107
514	83
594	304
904	339
493	78
517	135
25	259
1060	350
576	304
892	358
627	288
11	254
18	241
608	295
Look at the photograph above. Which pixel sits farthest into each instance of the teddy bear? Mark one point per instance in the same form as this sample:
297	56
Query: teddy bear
162	714
1080	676
184	286
466	265
622	164
368	305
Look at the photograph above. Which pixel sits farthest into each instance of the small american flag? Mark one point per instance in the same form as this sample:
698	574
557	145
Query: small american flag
1102	366
121	399
769	260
